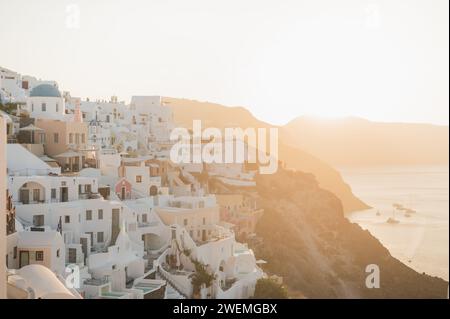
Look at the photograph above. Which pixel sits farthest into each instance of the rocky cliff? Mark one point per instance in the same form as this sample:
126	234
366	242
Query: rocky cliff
319	253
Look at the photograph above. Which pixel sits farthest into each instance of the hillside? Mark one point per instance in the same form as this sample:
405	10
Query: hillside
216	115
319	253
355	141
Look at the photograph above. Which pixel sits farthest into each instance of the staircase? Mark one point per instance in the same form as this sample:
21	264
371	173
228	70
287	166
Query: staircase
171	291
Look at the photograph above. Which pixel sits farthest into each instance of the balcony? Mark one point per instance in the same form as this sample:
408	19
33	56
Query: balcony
148	224
30	202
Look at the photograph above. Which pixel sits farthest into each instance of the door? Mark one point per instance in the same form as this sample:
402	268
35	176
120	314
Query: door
72	255
24	196
64	194
203	235
38	220
76	165
24	258
122	195
83	242
115	225
36	195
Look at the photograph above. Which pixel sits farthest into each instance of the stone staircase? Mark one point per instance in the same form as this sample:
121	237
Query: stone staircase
171	291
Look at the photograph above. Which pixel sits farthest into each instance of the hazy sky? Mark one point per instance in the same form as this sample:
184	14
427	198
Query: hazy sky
382	60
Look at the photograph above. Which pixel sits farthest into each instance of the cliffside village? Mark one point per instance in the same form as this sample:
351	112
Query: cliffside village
96	209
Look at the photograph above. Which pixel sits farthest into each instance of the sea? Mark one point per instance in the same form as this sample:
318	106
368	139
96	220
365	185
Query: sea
421	240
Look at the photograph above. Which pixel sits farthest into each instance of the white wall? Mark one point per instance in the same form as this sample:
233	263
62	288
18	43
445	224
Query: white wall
54	107
146	181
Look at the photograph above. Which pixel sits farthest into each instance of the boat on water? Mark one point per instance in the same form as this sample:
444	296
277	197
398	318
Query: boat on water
378	213
391	220
407	215
398	206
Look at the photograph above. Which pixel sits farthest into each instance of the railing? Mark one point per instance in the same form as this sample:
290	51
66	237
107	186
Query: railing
31	202
166	276
171	283
29	172
96	282
147	224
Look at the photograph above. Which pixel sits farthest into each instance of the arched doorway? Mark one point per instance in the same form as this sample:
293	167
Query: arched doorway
32	192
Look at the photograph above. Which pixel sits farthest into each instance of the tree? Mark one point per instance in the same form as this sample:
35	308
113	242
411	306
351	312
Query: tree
8	107
200	277
269	289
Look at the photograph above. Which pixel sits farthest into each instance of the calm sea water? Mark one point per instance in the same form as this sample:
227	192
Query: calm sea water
421	240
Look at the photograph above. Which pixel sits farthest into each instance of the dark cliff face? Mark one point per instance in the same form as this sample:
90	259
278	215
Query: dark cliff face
319	253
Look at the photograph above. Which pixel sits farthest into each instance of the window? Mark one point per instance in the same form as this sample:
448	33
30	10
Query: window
53	191
77	138
88	188
15	252
57	107
100	214
38	220
204	221
144	218
70	138
32	107
185	222
42	138
83	138
100	237
57	253
138	179
36	194
39	256
44	107
55	137
67	219
89	215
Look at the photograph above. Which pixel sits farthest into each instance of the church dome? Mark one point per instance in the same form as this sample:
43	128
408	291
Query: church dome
45	90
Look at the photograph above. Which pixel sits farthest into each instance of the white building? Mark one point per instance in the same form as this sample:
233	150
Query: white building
44	248
45	102
121	263
150	111
11	89
196	236
140	176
